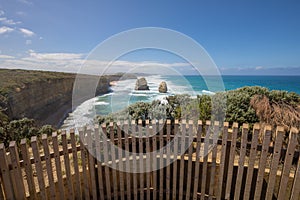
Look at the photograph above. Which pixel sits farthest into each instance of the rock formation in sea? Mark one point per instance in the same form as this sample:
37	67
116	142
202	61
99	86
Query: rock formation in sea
163	88
141	84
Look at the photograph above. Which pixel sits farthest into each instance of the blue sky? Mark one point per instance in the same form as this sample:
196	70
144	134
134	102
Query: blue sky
242	37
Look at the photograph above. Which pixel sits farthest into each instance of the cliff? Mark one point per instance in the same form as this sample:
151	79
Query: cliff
44	96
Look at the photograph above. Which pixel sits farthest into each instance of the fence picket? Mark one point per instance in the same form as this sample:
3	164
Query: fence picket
205	158
127	161
140	136
288	163
262	162
7	187
231	160
197	164
52	193
120	158
67	165
39	167
256	129
148	159
222	161
28	168
182	154
106	168
161	158
153	132
214	159
175	143
168	154
134	151
83	156
58	166
189	167
91	162
239	179
296	185
275	162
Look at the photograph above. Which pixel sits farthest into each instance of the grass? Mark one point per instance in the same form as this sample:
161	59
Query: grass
12	79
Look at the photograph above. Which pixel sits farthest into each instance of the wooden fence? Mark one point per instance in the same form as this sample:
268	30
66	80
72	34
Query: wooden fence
260	163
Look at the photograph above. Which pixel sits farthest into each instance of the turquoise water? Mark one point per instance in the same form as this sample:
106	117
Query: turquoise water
124	94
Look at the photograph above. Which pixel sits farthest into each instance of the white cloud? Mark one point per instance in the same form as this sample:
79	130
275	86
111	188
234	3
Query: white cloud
4	20
26	32
5	29
258	67
72	62
54	56
6	57
2	12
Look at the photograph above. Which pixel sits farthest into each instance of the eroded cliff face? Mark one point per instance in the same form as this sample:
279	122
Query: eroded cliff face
49	101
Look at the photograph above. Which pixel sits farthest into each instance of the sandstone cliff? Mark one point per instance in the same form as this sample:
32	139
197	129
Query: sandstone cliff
47	99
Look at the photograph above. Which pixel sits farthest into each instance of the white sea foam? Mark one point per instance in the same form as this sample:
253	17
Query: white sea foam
123	95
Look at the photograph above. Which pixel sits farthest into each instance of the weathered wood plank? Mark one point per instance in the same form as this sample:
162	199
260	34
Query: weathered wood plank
140	136
7	187
161	159
134	166
17	179
296	185
231	160
251	163
262	162
182	154
127	163
107	171
52	194
120	158
113	159
99	150
28	169
214	159
197	164
175	142
83	156
148	160
205	158
39	167
67	165
288	163
75	164
58	166
168	154
275	163
222	161
239	179
189	167
91	160
153	132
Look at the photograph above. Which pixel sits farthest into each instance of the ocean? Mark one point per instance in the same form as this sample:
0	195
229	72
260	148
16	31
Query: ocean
124	94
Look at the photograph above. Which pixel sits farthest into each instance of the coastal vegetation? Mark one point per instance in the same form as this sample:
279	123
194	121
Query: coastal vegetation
244	105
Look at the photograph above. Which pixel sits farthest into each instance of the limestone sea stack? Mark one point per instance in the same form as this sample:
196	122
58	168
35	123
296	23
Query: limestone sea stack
141	84
162	88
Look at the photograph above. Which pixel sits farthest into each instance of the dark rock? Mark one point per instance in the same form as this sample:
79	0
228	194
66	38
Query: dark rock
141	84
